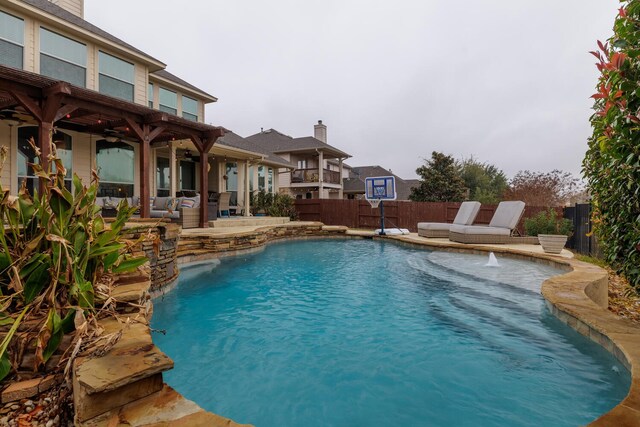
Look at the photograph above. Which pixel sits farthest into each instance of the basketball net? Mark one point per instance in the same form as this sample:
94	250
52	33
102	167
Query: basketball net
374	203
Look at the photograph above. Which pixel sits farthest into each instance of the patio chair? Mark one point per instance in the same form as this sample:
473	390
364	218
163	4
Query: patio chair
223	204
466	215
500	230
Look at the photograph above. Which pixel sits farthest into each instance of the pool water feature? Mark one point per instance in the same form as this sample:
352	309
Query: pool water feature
368	333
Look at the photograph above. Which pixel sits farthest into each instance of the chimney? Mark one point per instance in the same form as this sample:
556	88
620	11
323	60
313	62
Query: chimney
74	6
320	131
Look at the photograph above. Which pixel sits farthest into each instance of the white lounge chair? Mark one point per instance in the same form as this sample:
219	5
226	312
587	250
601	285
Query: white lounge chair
465	216
500	229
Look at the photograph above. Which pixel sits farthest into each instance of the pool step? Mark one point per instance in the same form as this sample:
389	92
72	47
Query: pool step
162	408
131	366
132	369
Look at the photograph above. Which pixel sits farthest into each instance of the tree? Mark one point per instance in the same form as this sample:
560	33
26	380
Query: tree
612	162
486	183
553	188
440	181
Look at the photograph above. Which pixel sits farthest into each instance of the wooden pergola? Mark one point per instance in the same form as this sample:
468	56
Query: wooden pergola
53	103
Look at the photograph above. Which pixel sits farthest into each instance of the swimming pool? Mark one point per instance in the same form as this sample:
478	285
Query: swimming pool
355	332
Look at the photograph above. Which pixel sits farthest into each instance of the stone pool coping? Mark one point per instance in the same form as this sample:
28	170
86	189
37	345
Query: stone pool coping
578	297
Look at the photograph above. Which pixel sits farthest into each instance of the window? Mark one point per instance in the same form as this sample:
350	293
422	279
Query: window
251	179
11	40
261	186
302	164
150	95
189	108
168	101
116	76
62	58
270	180
115	164
187	175
26	155
162	177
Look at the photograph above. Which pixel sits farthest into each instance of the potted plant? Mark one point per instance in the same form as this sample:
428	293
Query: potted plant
552	231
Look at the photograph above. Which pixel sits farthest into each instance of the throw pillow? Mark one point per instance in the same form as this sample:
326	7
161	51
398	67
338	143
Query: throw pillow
188	203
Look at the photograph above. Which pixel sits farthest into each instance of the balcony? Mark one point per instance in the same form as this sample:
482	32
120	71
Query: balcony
304	176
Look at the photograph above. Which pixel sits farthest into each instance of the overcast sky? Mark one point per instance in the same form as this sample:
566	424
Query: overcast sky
507	81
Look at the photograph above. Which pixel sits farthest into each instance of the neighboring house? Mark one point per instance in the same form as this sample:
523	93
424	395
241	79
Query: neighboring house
354	182
317	165
259	170
114	108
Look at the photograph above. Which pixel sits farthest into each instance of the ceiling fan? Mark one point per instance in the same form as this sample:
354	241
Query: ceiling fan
112	135
11	117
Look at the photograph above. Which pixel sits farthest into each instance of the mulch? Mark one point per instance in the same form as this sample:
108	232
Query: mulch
624	300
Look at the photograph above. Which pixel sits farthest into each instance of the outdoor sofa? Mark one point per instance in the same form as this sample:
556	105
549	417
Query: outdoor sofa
500	230
183	210
466	215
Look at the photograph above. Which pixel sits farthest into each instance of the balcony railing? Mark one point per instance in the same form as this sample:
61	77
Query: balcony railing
311	175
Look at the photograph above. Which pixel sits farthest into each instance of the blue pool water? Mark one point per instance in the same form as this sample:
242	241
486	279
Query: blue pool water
366	333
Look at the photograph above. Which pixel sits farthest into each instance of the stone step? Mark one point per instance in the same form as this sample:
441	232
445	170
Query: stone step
162	408
132	369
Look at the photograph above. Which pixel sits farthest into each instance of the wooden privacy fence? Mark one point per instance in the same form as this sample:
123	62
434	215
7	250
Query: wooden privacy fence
402	214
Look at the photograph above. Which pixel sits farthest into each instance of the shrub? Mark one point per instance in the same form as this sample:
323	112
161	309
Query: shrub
283	205
547	222
55	248
612	162
273	204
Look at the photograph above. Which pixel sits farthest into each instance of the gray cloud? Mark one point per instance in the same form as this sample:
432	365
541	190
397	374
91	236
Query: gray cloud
506	81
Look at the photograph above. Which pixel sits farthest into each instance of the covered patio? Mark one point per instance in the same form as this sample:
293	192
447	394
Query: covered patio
28	99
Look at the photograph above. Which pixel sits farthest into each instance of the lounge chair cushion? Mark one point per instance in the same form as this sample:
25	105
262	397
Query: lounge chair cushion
436	226
480	229
507	215
467	213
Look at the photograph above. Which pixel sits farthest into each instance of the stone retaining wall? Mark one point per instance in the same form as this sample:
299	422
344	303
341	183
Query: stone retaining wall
200	247
161	249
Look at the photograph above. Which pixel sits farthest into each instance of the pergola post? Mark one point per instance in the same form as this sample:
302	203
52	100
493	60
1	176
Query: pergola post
46	112
204	145
173	170
145	181
145	135
204	188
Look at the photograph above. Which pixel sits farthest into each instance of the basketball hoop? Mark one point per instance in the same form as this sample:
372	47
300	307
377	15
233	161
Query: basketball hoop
374	203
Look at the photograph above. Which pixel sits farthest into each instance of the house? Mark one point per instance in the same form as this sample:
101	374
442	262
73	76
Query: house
109	107
318	171
354	181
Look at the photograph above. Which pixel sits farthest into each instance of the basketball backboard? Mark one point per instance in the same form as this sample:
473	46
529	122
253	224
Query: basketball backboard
380	187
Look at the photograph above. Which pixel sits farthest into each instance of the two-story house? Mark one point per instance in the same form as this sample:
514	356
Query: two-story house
318	165
355	176
108	107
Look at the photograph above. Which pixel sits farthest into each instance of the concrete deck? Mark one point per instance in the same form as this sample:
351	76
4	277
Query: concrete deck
229	231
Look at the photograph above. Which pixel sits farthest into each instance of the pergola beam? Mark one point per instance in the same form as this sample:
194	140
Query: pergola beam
64	111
